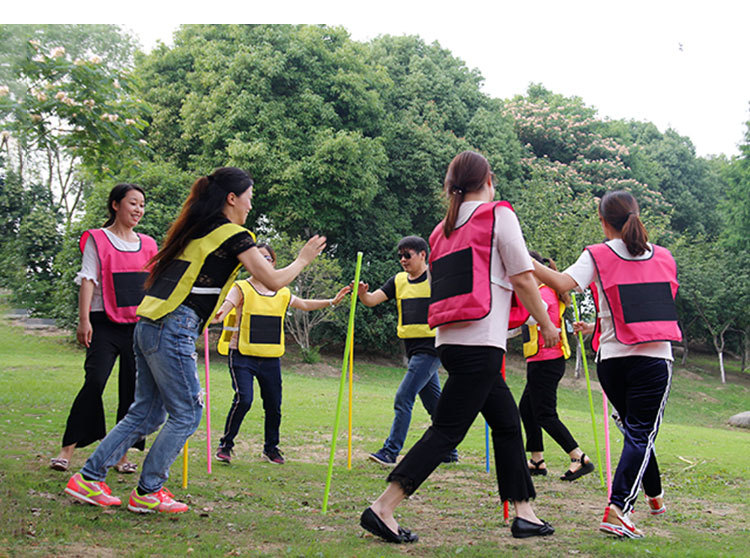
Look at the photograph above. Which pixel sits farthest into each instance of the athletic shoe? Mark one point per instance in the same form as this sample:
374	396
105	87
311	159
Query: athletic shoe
224	455
274	455
162	501
656	504
91	492
619	525
452	457
383	457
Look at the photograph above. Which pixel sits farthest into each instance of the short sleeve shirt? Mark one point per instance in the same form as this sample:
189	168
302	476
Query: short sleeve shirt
413	345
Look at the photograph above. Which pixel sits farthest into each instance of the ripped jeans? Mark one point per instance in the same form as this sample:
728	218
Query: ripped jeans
166	387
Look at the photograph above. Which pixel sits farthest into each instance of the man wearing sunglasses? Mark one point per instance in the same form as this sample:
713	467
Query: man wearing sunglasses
411	290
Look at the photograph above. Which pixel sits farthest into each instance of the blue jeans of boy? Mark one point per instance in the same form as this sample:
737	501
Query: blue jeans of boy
166	387
243	370
421	378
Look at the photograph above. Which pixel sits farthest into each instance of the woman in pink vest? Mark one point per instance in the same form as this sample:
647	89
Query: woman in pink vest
478	258
636	284
111	279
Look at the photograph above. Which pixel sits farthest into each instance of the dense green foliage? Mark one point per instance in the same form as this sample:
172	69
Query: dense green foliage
352	140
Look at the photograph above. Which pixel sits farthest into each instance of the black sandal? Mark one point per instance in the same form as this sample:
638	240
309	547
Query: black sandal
584	469
537	470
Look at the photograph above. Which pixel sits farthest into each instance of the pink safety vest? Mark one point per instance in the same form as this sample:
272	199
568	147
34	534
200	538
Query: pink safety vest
460	268
640	294
123	274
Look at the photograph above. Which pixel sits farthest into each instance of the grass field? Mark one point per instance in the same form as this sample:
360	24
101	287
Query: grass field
254	508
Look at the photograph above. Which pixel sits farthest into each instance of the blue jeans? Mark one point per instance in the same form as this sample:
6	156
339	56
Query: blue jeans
268	373
166	387
421	378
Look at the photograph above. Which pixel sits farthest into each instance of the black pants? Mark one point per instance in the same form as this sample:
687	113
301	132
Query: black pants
638	387
538	405
474	385
86	423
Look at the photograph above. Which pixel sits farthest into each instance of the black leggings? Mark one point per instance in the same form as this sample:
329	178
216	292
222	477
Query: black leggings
538	405
86	423
474	386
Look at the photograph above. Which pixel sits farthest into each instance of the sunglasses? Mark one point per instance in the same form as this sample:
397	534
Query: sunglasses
404	255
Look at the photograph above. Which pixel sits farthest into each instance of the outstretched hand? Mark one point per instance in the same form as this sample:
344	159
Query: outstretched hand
312	248
583	327
342	293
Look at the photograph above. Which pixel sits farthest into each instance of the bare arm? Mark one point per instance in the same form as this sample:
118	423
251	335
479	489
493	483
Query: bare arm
275	279
583	327
528	293
232	300
561	282
370	299
308	304
84	332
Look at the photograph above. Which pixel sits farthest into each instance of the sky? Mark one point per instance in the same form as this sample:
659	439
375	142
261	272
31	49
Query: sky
679	64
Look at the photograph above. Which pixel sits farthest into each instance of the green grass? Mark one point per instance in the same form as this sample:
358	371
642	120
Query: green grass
253	508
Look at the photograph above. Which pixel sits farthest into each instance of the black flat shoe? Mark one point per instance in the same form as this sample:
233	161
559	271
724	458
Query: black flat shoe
522	529
372	523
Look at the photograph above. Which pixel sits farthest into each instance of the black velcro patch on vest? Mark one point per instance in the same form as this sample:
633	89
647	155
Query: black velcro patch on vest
452	275
647	302
167	282
129	287
414	310
265	329
525	334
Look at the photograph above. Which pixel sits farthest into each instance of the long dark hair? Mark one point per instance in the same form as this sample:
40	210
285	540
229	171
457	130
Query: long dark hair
468	172
620	210
116	194
550	263
204	205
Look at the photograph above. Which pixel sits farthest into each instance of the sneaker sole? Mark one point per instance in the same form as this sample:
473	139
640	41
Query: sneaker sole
147	510
659	511
381	462
80	497
618	531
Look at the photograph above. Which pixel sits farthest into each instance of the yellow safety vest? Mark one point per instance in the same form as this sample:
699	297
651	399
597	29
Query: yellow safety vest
531	336
261	329
174	285
413	300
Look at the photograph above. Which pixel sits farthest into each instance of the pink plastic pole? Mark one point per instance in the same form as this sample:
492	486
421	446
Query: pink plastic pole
606	446
208	402
505	504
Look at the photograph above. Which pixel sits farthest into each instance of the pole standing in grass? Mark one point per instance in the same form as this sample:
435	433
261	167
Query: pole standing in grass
635	283
478	257
253	338
203	250
411	291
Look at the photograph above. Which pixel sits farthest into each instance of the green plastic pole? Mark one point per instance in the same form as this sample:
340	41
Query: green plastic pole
347	348
588	388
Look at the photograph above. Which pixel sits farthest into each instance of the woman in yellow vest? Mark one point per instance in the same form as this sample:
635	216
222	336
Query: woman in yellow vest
203	250
545	367
255	344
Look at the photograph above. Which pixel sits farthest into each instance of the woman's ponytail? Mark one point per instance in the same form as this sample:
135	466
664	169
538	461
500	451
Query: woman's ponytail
468	172
620	210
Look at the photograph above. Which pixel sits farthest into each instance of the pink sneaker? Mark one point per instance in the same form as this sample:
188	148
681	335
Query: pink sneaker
91	492
619	525
162	501
656	504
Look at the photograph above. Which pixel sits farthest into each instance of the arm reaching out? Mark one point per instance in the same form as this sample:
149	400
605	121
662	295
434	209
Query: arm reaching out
275	279
308	304
370	299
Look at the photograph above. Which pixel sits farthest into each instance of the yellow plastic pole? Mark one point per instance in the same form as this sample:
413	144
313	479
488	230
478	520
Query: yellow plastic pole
347	350
351	391
588	388
185	465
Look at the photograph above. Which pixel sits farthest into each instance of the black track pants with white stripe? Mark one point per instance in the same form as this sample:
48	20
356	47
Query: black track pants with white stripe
638	387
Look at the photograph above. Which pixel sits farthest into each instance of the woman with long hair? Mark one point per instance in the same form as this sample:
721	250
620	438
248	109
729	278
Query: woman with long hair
201	255
111	287
545	367
478	258
634	284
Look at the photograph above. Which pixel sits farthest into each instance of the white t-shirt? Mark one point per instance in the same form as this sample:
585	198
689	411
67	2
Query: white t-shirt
584	273
90	267
509	257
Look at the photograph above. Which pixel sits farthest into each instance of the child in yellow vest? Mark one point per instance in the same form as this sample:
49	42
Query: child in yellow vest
253	337
545	367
